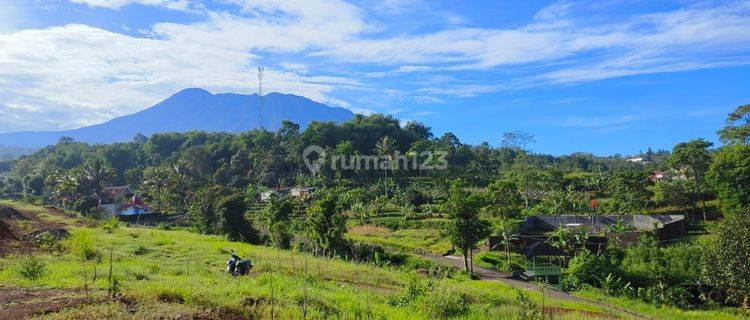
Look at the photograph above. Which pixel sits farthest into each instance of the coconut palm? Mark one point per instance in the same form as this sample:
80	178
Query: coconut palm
156	181
385	147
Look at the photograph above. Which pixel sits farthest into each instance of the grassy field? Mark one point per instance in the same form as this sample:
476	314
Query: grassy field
167	273
424	240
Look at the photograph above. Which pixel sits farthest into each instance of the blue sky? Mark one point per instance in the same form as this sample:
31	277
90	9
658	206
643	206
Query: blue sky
600	76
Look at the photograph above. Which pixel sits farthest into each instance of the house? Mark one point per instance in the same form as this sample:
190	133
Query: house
657	175
121	201
302	193
543	263
665	226
135	207
266	195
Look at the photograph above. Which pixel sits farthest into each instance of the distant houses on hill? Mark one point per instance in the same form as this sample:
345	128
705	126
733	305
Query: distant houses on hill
121	201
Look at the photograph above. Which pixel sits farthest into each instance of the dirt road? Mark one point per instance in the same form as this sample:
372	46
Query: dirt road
485	274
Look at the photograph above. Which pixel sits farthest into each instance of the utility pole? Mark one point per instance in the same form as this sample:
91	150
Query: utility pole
260	98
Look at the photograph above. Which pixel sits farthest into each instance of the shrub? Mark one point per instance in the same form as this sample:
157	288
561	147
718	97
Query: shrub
32	268
414	288
443	303
81	243
140	250
111	225
47	241
587	268
528	309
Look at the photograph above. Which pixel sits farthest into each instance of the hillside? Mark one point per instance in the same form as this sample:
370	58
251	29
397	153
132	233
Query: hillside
179	274
191	110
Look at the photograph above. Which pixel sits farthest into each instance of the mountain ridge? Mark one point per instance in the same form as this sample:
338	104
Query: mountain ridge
192	109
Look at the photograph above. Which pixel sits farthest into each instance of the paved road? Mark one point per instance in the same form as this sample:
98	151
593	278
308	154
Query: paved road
494	275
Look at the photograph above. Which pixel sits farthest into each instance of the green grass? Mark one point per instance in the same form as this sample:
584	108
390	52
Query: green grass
663	312
165	273
430	241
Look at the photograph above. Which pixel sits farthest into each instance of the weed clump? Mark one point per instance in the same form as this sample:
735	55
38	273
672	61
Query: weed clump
32	268
444	303
81	243
140	250
111	225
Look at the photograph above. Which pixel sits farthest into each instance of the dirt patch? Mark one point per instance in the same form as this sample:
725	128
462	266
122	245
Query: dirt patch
580	313
10	213
17	303
5	232
21	230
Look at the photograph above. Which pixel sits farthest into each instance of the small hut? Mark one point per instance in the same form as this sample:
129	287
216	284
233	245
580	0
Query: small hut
544	262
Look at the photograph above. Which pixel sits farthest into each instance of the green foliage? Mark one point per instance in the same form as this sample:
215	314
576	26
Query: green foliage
675	192
231	210
443	303
82	244
725	262
729	176
503	199
203	210
528	309
326	227
140	250
737	129
586	268
649	264
48	242
466	229
278	214
629	192
111	225
31	267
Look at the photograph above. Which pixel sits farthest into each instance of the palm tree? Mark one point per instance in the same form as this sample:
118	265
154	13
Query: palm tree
155	180
94	174
507	236
384	147
180	182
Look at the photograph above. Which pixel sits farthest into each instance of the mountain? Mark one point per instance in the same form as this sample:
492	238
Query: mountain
190	110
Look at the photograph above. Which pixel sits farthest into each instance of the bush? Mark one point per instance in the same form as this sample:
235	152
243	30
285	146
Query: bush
48	242
414	288
32	268
111	225
81	243
140	250
443	303
587	268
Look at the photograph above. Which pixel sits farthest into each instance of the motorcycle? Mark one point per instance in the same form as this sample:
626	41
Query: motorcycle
236	266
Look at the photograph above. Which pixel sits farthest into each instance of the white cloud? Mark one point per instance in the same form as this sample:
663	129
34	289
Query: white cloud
596	122
97	74
117	4
94	74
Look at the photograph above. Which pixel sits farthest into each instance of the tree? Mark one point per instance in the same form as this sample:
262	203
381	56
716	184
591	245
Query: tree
278	214
203	209
231	210
694	159
519	141
503	198
729	176
628	191
725	264
384	148
326	226
465	229
156	181
140	138
737	129
507	233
